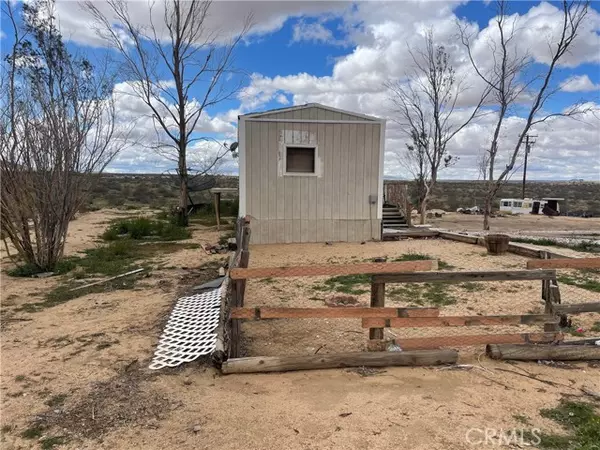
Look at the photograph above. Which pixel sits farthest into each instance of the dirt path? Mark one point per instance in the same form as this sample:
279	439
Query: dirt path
80	369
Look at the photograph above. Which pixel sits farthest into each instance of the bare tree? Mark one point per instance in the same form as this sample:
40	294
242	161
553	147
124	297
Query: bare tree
56	134
425	106
509	86
414	160
483	162
164	63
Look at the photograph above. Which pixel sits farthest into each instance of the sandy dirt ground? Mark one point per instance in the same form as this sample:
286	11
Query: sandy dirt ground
278	337
520	224
81	367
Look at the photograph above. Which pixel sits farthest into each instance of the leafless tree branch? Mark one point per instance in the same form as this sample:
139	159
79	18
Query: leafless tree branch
163	68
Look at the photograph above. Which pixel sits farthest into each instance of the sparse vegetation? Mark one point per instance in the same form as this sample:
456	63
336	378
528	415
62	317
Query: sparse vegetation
56	400
111	259
33	432
346	284
580	420
51	442
28	270
581	246
422	257
581	280
423	294
522	419
595	327
472	287
143	227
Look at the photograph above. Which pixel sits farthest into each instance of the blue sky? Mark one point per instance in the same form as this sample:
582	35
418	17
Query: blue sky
341	54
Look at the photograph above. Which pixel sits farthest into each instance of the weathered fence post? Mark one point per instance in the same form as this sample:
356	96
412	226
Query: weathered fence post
377	300
238	287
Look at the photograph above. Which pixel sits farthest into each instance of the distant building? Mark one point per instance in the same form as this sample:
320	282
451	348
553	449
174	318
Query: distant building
548	206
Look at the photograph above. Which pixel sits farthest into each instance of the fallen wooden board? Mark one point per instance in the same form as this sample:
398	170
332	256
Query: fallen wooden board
498	275
312	362
458	237
564	263
468	340
524	251
576	308
532	352
332	270
263	312
106	280
456	321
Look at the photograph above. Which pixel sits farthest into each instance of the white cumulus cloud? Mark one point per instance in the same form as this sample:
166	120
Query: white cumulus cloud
579	83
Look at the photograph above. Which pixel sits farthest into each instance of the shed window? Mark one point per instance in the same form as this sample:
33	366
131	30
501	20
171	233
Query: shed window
517	204
505	203
300	160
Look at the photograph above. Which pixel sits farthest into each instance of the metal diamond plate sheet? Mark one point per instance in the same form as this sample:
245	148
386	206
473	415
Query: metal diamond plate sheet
190	330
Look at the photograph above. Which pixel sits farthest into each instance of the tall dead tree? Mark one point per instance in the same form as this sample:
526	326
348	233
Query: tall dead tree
179	67
508	84
425	106
414	159
57	132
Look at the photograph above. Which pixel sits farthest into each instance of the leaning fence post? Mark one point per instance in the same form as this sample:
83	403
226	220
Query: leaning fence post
377	300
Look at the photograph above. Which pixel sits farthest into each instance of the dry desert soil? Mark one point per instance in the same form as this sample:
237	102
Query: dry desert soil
75	375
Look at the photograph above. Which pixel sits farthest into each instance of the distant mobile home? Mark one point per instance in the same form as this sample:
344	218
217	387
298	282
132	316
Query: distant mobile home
311	173
549	205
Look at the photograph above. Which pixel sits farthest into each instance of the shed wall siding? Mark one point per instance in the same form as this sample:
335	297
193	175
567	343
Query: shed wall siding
313	112
332	206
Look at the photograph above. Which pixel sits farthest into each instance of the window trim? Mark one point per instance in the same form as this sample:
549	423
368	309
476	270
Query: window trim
301	174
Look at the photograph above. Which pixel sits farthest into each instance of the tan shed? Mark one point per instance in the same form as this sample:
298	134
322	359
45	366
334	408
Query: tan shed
311	173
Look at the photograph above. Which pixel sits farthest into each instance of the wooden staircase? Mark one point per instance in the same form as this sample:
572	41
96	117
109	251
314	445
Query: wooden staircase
393	218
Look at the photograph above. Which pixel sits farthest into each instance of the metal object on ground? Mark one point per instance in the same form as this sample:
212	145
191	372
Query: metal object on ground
190	331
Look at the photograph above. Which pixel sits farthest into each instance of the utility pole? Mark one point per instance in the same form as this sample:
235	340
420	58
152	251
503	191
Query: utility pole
529	141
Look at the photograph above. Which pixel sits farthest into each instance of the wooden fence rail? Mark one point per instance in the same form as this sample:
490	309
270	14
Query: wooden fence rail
348	312
456	321
457	277
468	340
564	263
332	270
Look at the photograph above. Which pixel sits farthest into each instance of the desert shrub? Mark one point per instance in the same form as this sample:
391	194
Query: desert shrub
143	227
28	270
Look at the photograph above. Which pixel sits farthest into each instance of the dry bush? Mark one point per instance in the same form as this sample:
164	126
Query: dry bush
57	132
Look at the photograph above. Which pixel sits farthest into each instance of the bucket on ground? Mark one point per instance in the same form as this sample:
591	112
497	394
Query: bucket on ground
497	244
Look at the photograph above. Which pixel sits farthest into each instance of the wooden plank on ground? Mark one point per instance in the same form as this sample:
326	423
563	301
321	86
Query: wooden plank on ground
332	270
523	251
483	339
330	361
349	312
412	233
531	352
458	237
499	275
456	321
576	308
564	263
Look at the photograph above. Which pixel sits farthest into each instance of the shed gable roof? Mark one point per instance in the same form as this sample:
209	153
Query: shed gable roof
274	112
